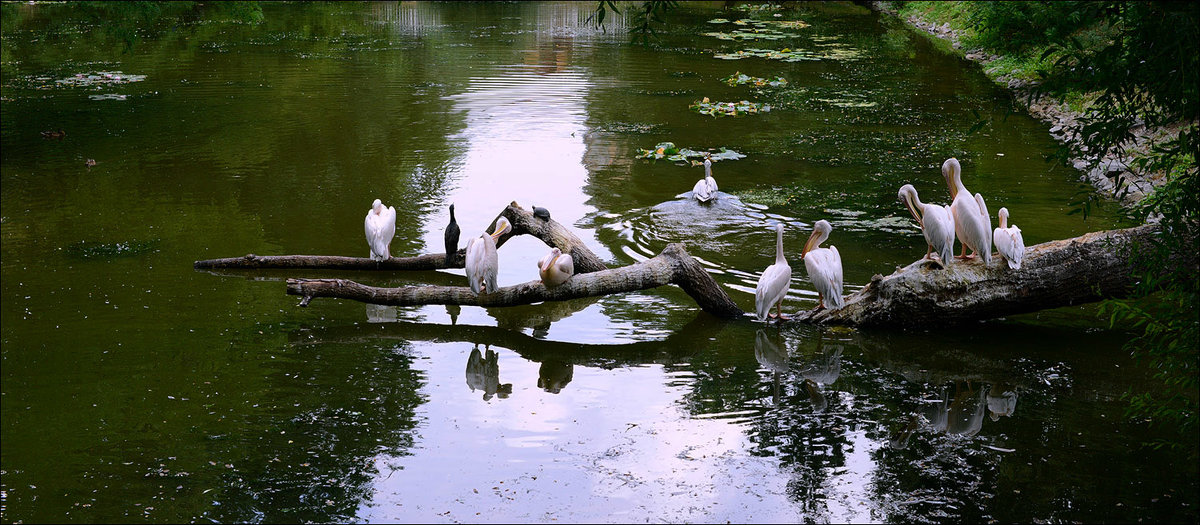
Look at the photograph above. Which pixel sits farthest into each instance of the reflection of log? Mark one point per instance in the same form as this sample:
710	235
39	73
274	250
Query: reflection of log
523	223
672	266
1054	274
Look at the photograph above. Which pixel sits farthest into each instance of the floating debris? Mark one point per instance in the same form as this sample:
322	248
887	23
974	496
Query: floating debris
108	96
729	109
99	250
739	78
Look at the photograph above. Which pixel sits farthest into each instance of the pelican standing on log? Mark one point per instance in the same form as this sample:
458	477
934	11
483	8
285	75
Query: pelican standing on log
556	267
971	220
773	285
937	223
452	232
706	188
824	266
1008	241
380	226
482	263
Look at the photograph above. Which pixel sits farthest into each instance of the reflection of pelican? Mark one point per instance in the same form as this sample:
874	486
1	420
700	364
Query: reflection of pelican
971	221
773	285
815	396
1009	242
824	266
554	375
771	356
936	223
706	188
452	232
961	416
378	313
826	367
1001	402
556	267
380	226
483	373
482	263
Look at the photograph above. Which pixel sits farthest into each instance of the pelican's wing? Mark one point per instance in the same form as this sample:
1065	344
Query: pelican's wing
987	227
772	287
1018	246
473	266
939	231
565	265
712	185
491	263
700	191
825	271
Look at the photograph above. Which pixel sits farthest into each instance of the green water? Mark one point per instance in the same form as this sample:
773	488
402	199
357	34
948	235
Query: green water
137	389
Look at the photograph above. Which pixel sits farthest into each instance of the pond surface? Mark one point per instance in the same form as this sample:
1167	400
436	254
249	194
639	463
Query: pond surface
137	389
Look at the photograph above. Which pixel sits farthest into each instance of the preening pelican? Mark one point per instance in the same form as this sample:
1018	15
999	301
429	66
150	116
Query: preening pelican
824	266
773	285
706	188
556	267
452	232
482	263
380	226
1009	242
971	220
936	223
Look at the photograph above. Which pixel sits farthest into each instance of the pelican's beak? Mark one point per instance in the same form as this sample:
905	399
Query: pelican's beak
912	208
812	239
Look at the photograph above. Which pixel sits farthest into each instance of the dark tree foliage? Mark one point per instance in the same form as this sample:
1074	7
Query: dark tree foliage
649	15
1142	59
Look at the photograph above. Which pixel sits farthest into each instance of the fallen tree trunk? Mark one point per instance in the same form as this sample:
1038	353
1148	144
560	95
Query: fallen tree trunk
523	223
1073	271
672	266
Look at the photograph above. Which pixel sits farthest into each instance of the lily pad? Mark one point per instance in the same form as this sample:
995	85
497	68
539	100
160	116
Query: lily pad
729	109
739	79
786	55
749	34
99	79
668	151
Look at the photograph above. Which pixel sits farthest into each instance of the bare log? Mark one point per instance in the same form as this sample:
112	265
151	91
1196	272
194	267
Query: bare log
1054	274
672	266
523	222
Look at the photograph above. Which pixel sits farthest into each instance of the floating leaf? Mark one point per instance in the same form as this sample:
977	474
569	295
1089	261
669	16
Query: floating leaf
686	155
739	78
731	109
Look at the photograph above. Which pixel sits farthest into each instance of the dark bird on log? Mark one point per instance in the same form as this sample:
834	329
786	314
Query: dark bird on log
452	232
541	213
54	134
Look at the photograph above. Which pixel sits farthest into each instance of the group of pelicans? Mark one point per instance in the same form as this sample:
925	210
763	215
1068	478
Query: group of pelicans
966	217
482	262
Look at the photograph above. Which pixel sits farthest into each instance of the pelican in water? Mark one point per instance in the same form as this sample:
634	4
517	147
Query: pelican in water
482	263
971	221
937	223
706	188
1008	241
773	285
556	267
452	232
824	266
380	226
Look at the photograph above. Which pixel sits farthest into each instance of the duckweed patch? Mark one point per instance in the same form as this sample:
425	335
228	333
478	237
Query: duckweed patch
728	109
114	250
773	197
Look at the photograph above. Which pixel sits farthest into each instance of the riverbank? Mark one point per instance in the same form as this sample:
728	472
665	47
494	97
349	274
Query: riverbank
1108	171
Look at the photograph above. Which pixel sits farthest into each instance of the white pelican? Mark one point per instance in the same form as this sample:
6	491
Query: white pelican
451	235
971	220
824	266
556	267
380	226
773	285
936	223
1009	242
706	188
482	263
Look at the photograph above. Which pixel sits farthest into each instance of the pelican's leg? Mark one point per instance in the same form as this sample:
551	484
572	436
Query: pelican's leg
779	309
928	250
964	253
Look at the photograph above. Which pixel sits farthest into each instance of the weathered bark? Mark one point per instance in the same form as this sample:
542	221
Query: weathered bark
523	223
672	266
1054	274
